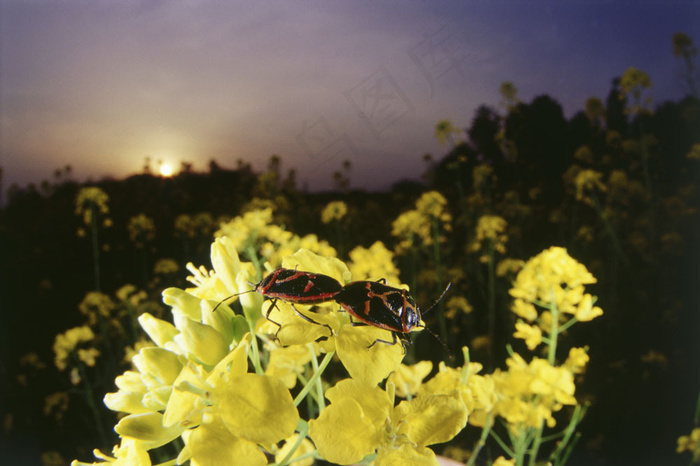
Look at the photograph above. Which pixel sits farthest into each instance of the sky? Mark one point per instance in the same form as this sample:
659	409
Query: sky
102	84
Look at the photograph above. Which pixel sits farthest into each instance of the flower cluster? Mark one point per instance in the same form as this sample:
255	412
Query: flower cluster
422	225
141	229
90	200
690	443
67	342
549	291
490	230
334	211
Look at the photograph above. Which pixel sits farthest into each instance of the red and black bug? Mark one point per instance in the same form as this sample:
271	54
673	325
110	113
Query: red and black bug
295	287
383	306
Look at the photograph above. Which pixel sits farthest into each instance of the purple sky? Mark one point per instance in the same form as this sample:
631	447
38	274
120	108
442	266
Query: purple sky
102	84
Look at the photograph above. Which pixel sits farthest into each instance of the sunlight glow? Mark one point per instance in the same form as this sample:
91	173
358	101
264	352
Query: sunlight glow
166	170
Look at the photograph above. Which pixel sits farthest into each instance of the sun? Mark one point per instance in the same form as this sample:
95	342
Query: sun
166	170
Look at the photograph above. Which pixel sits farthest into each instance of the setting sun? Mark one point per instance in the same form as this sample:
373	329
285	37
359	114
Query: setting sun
166	170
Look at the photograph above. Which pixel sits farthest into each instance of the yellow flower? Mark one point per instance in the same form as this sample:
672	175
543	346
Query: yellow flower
577	360
508	266
633	84
66	342
553	279
491	229
129	453
588	181
457	305
56	403
409	227
141	229
362	419
530	392
477	392
407	379
501	461
690	443
694	153
88	356
165	267
96	305
373	263
531	334
334	211
91	200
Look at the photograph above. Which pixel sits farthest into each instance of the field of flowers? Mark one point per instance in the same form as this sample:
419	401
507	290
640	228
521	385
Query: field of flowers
568	333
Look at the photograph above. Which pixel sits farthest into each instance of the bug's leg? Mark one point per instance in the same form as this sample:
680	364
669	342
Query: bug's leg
309	319
386	342
273	305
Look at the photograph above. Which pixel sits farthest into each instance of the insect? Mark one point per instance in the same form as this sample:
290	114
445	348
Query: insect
295	287
383	306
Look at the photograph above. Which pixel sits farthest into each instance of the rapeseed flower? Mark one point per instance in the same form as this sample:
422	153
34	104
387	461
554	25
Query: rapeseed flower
90	200
373	263
408	379
66	342
362	420
528	393
690	443
490	229
334	211
141	229
587	183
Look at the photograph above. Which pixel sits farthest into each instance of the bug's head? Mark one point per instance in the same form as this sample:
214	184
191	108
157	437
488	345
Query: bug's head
411	313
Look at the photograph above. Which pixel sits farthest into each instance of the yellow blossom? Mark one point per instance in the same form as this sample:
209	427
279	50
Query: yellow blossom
407	379
531	334
95	306
530	392
476	391
690	443
694	153
588	181
501	461
362	419
334	211
577	360
88	356
457	305
56	404
91	200
373	263
66	342
141	229
490	229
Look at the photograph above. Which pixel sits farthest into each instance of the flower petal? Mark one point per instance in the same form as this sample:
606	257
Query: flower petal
433	418
212	443
258	408
369	365
148	428
406	454
159	330
343	434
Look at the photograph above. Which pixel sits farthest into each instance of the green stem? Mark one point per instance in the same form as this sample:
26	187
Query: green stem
536	444
482	440
554	330
89	396
319	383
491	301
95	246
312	381
609	228
303	428
438	269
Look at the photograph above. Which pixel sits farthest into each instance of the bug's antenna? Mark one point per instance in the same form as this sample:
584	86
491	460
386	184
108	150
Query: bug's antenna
444	345
232	296
437	300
